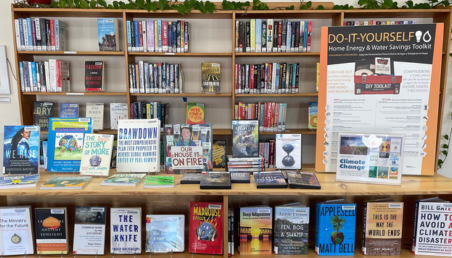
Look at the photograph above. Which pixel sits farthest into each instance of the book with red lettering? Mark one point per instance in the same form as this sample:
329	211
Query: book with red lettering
94	74
206	228
164	36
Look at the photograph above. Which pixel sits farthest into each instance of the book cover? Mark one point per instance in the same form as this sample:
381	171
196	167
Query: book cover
240	177
382	231
291	229
66	182
195	113
42	111
288	151
69	110
138	145
302	180
96	112
245	138
118	111
270	179
21	153
165	233
9	182
107	30
219	154
205	234
16	231
215	180
51	231
158	181
96	155
124	179
125	230
65	143
94	75
89	230
335	228
210	76
312	116
231	235
191	178
255	230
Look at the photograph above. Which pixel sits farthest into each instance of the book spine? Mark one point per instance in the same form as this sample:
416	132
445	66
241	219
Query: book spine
130	78
257	78
364	228
52	75
134	79
171	71
283	77
21	71
308	43
258	35
132	36
267	154
247	35
156	79
251	78
174	31
30	35
52	35
27	85
178	36
42	24
156	36
237	35
416	217
186	37
151	77
129	37
275	36
239	78
160	71
34	77
33	34
48	35
136	29
59	87
142	79
297	77
284	117
236	78
280	36
294	77
25	32
38	34
164	36
170	37
145	38
272	154
261	117
177	78
57	35
317	227
247	78
150	35
300	48
289	37
38	76
305	37
293	35
273	88
182	36
22	34
17	33
264	36
159	34
241	37
277	79
284	30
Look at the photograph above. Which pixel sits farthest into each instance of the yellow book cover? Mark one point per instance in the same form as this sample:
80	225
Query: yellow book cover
182	33
195	113
148	111
253	35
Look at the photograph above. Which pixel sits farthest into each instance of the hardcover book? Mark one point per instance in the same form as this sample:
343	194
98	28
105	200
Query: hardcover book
51	231
42	111
231	235
270	179
118	111
205	235
125	230
191	178
66	183
382	229
302	180
89	230
94	75
335	228
107	30
96	112
215	180
165	233
245	138
195	113
291	229
219	154
16	231
210	76
159	181
96	155
65	143
21	150
9	182
312	115
240	177
128	179
138	145
255	230
68	110
288	151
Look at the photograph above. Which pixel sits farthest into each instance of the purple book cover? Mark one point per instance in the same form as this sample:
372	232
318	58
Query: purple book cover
150	35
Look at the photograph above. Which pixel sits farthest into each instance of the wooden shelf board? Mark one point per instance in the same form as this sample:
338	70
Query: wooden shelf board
291	131
194	14
394	13
240	54
70	12
313	94
182	95
94	93
73	53
288	14
226	54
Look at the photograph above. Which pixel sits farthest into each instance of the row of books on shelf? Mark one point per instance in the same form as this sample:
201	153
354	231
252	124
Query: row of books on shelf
48	76
40	34
150	110
270	115
260	229
375	22
155	78
259	35
158	36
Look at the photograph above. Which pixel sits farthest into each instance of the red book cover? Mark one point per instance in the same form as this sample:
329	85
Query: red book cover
279	36
272	116
52	34
206	228
269	75
275	129
33	33
58	76
251	78
132	115
243	111
164	36
271	158
261	151
140	34
308	41
236	78
267	117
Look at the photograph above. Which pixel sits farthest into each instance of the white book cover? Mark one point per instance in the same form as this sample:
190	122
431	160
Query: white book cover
25	31
165	233
96	112
125	230
17	31
138	145
47	75
118	111
96	155
52	75
288	151
16	231
274	77
145	44
89	230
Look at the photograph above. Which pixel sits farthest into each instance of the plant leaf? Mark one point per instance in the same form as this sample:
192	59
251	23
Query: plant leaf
93	4
84	4
55	4
116	4
444	152
163	4
130	6
445	146
446	137
320	7
77	3
292	7
210	7
62	3
70	3
139	4
309	4
180	8
110	6
102	3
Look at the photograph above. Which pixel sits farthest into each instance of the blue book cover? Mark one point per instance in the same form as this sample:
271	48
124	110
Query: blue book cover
186	36
137	34
288	36
65	143
170	36
305	37
30	36
107	30
159	111
291	229
18	181
165	233
174	32
135	110
294	75
159	34
335	228
34	76
21	30
129	37
21	150
258	34
69	110
277	78
57	34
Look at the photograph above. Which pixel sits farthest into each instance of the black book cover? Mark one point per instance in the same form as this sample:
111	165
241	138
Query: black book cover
42	24
242	67
270	179
247	34
174	36
275	34
134	77
302	180
255	79
48	34
51	229
241	30
284	35
43	76
293	35
240	177
90	214
290	77
191	178
284	73
297	76
258	81
297	35
264	34
144	113
215	180
94	71
41	112
132	33
262	78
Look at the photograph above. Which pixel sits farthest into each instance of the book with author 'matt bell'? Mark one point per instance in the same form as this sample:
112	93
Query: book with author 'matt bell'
245	138
51	231
21	150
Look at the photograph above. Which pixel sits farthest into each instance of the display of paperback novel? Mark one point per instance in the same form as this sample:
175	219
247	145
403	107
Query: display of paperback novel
255	230
118	111
187	148
96	112
65	143
245	138
335	228
382	228
138	145
9	182
215	180
94	75
89	230
21	153
96	155
66	183
165	233
51	231
42	111
374	158
195	113
107	30
291	229
288	151
16	231
210	76
128	179
125	230
219	154
206	228
432	227
312	116
68	110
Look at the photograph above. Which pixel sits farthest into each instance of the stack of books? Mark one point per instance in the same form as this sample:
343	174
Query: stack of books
245	164
155	78
49	76
39	34
271	115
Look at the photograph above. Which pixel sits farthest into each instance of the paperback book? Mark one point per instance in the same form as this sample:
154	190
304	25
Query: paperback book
231	235
66	183
118	111
89	230
215	180
165	233
312	116
16	231
195	113
51	231
210	76
159	181
191	178
219	154
96	155
21	153
255	230
245	138
288	151
291	229
206	228
69	110
10	182
125	230
270	179
42	111
302	180
96	112
128	179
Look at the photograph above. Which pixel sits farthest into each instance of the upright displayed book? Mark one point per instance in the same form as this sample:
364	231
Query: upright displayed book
42	111
65	143
165	233
245	138
215	180
16	231
291	229
125	230
312	116
89	230
335	228
210	76
288	151
382	228
219	154
107	30
21	150
66	183
94	75
18	181
96	112
255	230
51	231
69	110
206	228
118	111
138	145
128	179
195	113
96	154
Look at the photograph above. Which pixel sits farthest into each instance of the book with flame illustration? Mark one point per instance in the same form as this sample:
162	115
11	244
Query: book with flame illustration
376	76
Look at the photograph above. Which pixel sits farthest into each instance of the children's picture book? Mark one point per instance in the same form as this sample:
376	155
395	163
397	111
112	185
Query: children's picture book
16	231
370	158
107	30
245	138
89	230
255	230
96	155
312	116
52	220
195	113
273	179
21	153
288	151
291	229
302	180
206	228
219	154
118	111
18	181
96	112
159	181
65	143
125	230
128	179
215	180
165	233
69	110
42	111
66	183
138	146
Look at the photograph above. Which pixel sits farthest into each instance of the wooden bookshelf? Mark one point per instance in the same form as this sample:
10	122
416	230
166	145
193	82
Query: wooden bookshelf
181	54
207	95
88	93
73	53
278	54
313	94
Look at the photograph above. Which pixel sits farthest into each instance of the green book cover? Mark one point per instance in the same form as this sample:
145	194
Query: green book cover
159	181
67	182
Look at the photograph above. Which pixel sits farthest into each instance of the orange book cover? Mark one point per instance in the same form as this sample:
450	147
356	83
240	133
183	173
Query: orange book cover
195	113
